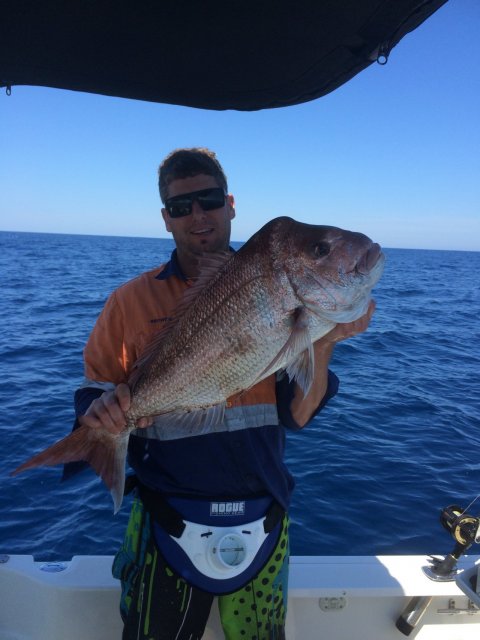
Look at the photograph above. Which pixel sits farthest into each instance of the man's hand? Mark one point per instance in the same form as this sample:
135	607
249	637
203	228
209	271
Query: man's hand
108	411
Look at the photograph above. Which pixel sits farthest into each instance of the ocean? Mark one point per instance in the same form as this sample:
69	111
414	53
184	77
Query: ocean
399	442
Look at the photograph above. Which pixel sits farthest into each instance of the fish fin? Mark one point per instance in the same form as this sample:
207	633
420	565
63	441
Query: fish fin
105	452
209	265
297	353
188	423
302	369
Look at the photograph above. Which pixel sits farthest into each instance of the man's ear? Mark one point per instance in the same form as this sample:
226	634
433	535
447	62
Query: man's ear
231	206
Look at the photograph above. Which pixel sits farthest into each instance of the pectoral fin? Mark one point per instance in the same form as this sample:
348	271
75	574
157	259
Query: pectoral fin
302	369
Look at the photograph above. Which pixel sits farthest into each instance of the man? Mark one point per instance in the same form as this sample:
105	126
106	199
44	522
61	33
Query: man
167	583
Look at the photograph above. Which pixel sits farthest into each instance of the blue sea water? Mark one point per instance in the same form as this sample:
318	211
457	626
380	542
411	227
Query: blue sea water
400	441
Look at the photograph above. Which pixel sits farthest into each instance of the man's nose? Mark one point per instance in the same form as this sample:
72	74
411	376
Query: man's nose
197	209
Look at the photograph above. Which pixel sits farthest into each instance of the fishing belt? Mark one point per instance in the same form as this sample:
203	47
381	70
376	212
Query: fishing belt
215	545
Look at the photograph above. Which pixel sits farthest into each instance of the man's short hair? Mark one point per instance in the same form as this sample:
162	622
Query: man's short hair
185	163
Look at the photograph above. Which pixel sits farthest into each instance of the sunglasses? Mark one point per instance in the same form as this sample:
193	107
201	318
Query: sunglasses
208	199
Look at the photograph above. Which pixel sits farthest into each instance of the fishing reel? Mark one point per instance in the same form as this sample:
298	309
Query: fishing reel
465	530
463	527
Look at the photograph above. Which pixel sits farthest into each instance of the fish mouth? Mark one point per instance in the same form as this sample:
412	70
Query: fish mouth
368	261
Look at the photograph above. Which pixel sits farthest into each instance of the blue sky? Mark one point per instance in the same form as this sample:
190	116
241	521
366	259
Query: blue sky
394	153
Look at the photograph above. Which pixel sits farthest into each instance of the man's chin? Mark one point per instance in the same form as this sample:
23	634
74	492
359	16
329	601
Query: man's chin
210	245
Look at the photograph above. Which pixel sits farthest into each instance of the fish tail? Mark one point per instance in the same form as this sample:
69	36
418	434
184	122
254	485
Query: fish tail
105	452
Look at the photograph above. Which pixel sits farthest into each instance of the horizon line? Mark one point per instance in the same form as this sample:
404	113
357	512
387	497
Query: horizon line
103	235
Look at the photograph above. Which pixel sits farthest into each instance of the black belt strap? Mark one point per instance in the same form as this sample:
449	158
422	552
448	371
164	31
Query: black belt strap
273	516
157	506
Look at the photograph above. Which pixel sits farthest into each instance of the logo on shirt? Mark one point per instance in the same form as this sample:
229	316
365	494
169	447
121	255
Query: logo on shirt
227	508
157	320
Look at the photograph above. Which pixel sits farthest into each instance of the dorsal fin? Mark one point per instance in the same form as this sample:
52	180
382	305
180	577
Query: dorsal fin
209	265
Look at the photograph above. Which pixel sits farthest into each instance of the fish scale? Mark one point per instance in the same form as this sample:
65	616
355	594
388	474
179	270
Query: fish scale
250	314
229	318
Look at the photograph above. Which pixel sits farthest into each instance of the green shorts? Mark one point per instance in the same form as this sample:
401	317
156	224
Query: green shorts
157	604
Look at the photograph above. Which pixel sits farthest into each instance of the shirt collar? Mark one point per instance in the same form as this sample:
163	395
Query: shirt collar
171	268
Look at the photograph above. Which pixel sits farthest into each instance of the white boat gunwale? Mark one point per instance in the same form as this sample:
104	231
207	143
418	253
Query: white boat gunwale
336	597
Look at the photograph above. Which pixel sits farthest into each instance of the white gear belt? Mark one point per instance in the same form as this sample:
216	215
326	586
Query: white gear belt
222	552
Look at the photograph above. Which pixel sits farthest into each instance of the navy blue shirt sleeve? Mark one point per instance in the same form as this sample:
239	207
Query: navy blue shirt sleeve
285	391
83	399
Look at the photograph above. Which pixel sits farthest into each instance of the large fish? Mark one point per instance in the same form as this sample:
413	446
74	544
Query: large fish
250	314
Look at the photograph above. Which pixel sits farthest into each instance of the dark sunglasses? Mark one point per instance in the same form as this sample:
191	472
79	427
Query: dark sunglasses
208	199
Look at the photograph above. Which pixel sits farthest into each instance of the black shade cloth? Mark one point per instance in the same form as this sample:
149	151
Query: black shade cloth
233	54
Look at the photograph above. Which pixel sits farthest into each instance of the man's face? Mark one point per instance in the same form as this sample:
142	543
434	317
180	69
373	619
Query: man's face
201	231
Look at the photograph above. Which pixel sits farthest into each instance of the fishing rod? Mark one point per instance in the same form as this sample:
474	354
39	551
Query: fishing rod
465	530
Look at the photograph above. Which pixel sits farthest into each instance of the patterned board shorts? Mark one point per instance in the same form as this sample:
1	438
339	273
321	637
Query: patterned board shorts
157	604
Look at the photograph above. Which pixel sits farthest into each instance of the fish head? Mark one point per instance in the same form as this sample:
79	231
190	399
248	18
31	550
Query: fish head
332	271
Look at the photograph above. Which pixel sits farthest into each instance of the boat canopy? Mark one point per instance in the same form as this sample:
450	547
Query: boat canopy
212	54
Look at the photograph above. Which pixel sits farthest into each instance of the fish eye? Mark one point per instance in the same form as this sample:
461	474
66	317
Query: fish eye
321	249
